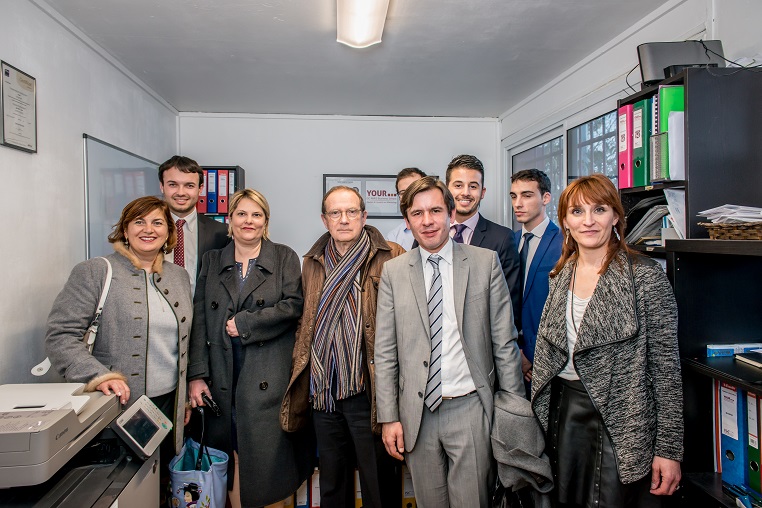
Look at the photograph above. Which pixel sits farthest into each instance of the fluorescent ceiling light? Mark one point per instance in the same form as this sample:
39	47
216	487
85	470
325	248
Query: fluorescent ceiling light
360	23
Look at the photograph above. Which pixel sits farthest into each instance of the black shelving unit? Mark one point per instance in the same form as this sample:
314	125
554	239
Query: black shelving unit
718	288
238	184
722	138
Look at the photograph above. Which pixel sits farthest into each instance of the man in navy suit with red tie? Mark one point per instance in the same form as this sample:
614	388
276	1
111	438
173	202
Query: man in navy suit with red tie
539	244
181	180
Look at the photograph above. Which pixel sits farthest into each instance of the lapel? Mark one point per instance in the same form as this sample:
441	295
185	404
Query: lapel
460	269
550	233
611	314
263	268
480	232
419	288
227	272
201	239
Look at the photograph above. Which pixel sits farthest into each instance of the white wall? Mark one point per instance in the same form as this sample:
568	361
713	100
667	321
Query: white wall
78	91
592	86
285	157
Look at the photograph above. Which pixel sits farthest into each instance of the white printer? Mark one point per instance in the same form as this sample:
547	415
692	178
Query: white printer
43	425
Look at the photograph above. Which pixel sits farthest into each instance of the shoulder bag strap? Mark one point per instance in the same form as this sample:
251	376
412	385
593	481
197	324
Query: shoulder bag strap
43	367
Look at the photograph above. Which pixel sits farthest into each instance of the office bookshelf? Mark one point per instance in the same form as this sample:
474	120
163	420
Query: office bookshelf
236	183
719	300
723	156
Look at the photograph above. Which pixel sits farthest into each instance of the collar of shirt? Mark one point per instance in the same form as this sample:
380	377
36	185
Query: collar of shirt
470	224
445	253
190	220
538	231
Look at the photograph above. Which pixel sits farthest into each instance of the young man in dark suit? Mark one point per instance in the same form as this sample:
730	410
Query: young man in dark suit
181	180
539	243
465	181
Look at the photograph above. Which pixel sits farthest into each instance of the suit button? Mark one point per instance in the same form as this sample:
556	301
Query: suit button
425	363
260	302
260	344
215	305
208	344
166	291
263	385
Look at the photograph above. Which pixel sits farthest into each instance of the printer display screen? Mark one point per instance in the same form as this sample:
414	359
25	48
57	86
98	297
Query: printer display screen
141	428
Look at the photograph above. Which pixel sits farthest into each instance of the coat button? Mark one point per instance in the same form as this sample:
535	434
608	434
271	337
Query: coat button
208	344
367	325
372	362
158	279
263	385
420	394
182	320
245	336
260	302
260	344
177	304
425	363
215	305
166	291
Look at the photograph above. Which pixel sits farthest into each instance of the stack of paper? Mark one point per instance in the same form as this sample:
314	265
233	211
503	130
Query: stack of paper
733	214
649	225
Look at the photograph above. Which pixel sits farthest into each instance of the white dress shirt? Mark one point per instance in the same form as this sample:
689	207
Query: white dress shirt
190	233
456	378
402	236
533	243
470	224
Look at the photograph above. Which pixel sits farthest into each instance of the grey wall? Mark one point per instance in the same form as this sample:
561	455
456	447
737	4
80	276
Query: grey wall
43	235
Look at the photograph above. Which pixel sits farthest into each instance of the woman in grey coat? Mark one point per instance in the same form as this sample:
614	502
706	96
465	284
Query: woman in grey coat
246	308
143	334
606	385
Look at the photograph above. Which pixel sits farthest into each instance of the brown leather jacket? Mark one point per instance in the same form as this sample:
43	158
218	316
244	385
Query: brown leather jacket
295	410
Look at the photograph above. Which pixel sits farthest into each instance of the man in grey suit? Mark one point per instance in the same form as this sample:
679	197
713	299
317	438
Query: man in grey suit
444	336
181	180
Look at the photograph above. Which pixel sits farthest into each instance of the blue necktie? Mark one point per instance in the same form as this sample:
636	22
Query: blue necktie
523	255
434	384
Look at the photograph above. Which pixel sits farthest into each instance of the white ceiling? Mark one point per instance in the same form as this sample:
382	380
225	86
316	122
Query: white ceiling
462	58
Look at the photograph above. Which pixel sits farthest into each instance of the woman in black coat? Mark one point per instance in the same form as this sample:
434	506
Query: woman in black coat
246	307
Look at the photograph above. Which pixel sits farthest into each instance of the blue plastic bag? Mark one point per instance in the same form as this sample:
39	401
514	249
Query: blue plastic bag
203	488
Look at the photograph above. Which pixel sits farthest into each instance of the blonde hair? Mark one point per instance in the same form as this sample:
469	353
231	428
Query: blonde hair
257	198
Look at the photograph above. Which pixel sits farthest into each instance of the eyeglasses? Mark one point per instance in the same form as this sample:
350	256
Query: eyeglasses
335	215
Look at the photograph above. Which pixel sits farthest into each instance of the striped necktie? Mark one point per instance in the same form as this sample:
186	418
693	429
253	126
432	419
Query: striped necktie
434	384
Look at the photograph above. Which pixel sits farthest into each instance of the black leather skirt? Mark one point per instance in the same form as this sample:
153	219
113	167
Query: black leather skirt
582	458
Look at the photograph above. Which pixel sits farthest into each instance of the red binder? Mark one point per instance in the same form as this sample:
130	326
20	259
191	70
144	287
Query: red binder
222	191
624	133
201	205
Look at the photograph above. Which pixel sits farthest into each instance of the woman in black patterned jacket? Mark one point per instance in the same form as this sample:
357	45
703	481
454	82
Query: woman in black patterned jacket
612	409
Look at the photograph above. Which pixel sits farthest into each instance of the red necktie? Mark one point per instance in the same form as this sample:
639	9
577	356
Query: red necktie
180	247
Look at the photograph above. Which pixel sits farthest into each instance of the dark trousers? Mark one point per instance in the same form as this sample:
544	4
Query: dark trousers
345	439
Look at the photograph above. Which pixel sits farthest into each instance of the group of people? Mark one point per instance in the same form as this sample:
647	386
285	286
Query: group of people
373	354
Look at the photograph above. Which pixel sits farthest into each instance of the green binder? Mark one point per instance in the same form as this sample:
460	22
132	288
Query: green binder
752	442
641	135
671	98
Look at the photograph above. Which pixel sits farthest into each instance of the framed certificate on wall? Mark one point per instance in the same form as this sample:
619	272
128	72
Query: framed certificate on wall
18	106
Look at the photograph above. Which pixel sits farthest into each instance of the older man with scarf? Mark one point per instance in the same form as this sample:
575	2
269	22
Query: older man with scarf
332	374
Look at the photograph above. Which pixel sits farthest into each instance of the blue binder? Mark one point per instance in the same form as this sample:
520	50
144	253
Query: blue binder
734	434
211	191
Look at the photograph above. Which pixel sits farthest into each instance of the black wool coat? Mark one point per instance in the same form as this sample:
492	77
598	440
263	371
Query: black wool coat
272	463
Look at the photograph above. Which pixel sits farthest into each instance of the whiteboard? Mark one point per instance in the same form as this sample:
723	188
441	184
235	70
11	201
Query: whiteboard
113	178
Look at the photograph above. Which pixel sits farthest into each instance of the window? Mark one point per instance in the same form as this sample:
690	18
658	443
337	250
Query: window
593	149
549	158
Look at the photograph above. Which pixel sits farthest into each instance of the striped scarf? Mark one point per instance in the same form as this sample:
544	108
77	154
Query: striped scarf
336	356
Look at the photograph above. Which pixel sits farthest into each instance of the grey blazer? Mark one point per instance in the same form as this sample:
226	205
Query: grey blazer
627	357
403	344
122	344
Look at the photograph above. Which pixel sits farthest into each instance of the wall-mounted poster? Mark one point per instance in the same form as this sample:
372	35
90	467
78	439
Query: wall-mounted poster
18	104
378	191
